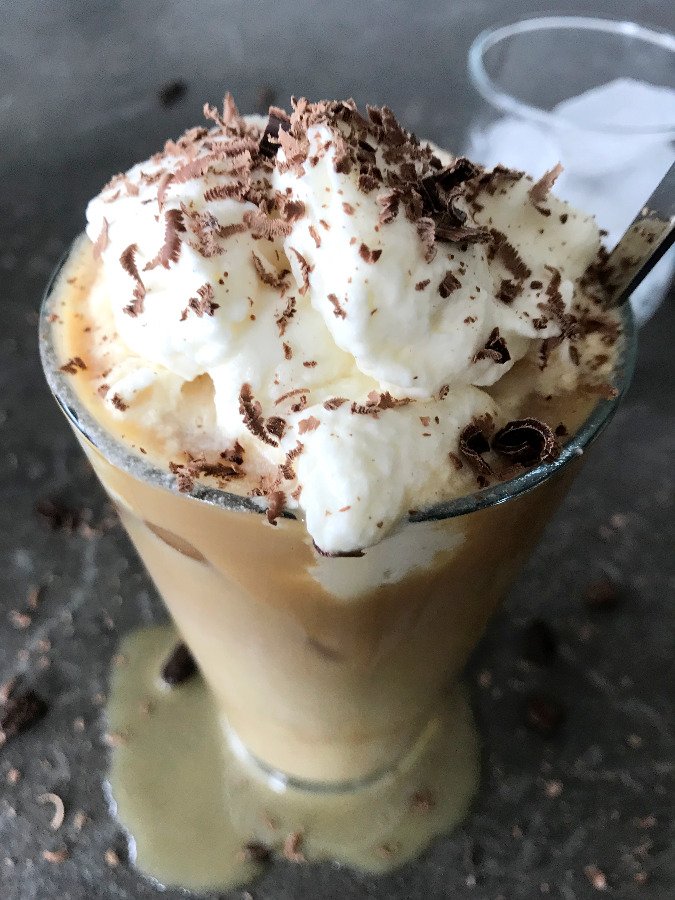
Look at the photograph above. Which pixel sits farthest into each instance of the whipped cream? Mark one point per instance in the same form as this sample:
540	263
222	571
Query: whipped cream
333	299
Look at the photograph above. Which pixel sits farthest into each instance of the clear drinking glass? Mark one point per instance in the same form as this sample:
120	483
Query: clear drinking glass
332	674
594	94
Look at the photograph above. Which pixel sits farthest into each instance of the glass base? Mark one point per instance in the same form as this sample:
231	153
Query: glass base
192	801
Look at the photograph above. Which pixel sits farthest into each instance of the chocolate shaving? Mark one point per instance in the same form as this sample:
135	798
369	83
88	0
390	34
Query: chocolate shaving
269	142
449	284
539	190
277	502
334	403
169	252
179	666
262	226
162	188
236	190
305	270
20	713
286	468
291	210
311	423
390	202
251	412
286	316
526	441
338	310
426	231
495	349
101	241
204	304
128	263
276	426
422	284
315	235
509	290
277	280
509	256
473	443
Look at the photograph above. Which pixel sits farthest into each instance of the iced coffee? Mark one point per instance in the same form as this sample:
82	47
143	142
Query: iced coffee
330	375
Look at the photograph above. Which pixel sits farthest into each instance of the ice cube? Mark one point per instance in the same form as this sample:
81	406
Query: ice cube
622	104
595	129
516	143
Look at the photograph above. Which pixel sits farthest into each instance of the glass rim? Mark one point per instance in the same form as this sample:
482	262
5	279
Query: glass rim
118	453
491	92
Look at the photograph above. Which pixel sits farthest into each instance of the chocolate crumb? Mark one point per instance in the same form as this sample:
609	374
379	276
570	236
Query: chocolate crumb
602	594
73	365
338	309
172	93
118	403
422	284
20	713
256	851
179	666
544	714
315	235
368	255
449	284
286	316
58	516
540	645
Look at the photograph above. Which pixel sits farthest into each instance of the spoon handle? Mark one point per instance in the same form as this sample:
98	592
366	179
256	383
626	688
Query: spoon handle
648	237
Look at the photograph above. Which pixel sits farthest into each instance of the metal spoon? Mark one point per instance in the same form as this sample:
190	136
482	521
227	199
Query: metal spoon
647	238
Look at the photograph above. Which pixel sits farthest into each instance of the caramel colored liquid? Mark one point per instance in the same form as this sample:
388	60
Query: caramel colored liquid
339	674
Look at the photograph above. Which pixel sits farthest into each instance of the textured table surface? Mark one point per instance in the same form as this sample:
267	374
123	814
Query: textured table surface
79	100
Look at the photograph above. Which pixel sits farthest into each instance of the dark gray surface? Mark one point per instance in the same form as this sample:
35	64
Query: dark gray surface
78	85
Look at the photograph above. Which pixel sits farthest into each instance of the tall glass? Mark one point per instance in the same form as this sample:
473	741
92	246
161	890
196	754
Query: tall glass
326	671
595	94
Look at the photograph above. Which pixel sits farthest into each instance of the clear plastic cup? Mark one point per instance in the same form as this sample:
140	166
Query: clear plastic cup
597	95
